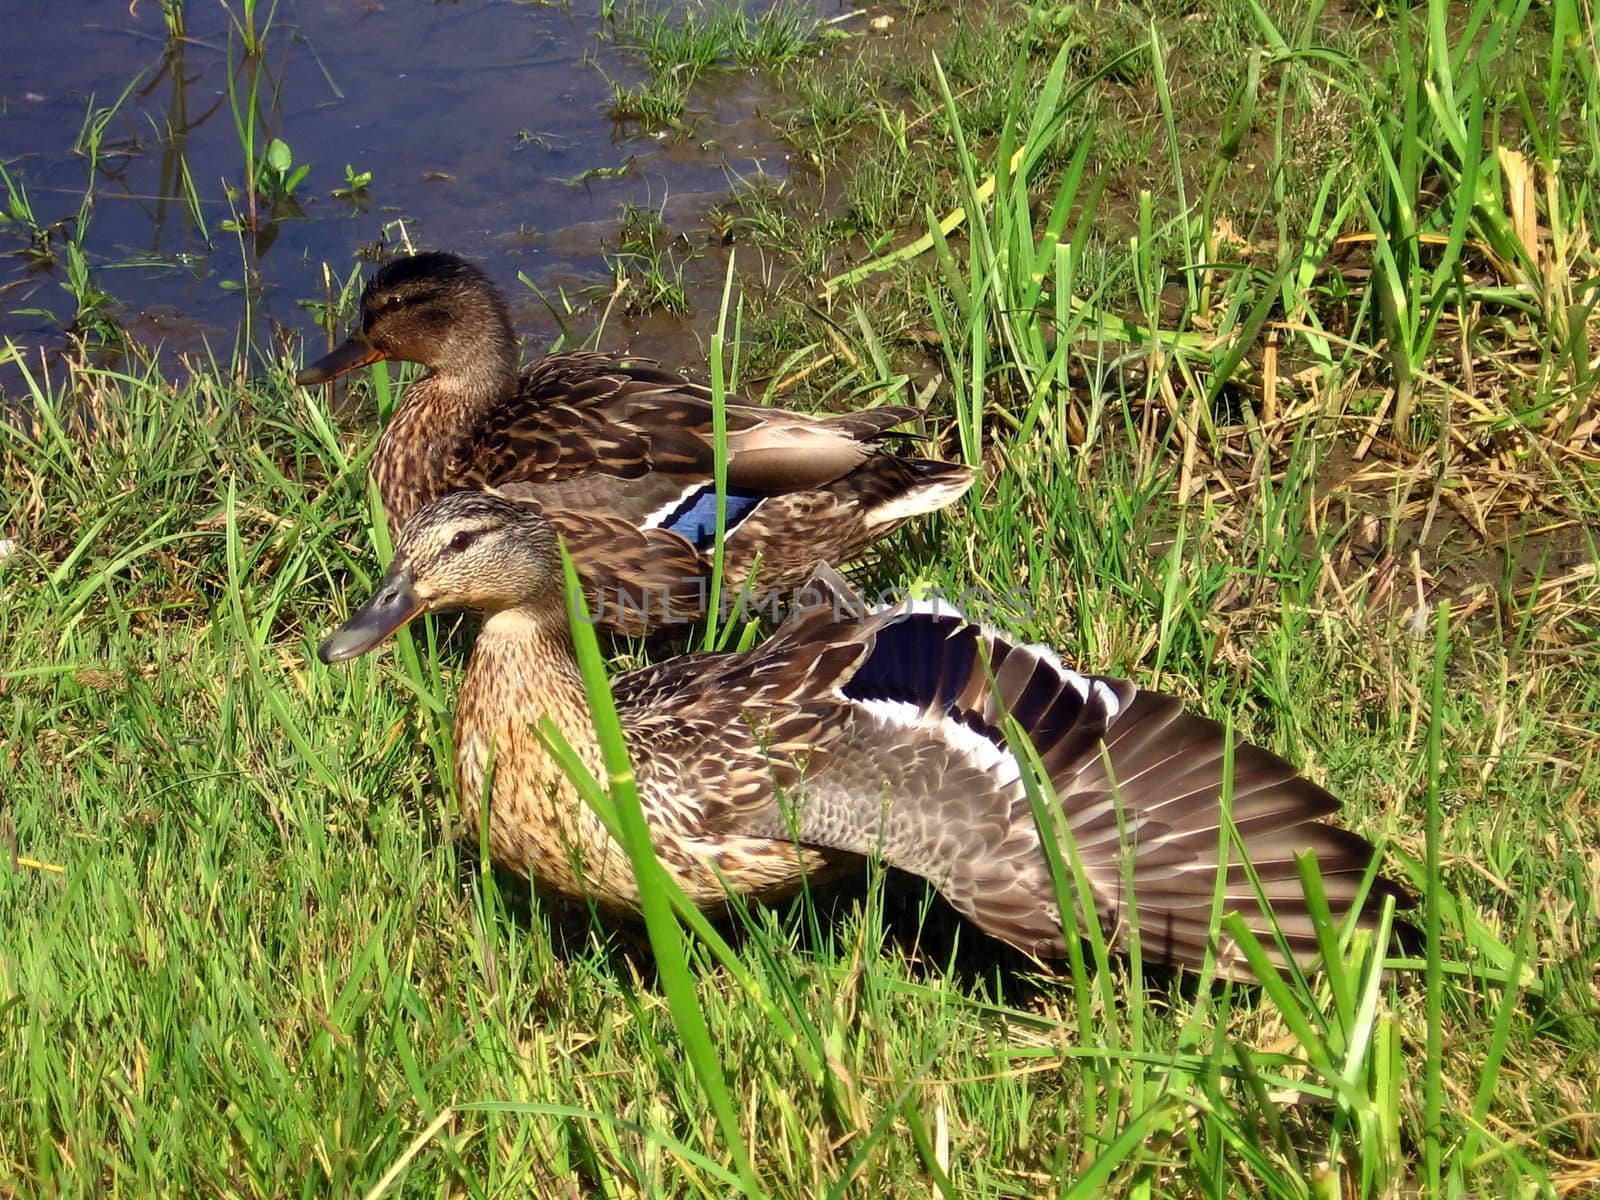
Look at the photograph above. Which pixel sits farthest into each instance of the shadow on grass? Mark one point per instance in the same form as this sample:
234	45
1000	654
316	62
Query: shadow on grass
894	917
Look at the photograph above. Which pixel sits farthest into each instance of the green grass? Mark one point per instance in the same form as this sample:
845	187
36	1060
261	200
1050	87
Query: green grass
646	264
247	944
681	44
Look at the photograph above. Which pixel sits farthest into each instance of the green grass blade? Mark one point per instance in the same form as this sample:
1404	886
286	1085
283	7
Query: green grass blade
666	937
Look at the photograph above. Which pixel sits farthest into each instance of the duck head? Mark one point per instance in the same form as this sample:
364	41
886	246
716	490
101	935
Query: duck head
435	309
472	550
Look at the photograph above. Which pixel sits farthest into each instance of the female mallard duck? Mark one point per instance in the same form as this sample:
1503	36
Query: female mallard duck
854	732
619	454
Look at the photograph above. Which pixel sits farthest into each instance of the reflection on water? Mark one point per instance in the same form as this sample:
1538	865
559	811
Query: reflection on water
481	123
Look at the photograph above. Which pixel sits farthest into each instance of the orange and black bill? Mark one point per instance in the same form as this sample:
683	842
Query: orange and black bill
391	606
356	352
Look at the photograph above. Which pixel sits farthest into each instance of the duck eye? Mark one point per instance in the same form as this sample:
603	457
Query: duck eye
463	539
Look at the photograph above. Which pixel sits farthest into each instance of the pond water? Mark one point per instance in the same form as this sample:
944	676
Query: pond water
484	125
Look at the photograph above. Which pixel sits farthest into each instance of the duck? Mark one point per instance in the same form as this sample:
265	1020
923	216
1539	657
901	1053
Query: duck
619	453
857	731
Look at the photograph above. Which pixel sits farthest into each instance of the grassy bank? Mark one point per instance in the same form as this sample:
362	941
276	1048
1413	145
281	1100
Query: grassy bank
1272	331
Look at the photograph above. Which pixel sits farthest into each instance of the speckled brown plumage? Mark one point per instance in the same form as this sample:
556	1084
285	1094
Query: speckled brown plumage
609	446
521	670
854	732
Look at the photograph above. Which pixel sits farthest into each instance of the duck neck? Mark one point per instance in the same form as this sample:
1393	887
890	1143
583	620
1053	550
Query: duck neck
475	370
439	414
523	669
524	672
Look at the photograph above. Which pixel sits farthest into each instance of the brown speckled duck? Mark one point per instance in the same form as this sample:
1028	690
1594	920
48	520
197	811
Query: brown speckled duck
853	732
619	453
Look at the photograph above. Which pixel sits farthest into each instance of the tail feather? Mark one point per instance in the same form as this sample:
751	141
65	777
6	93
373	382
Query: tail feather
868	423
891	489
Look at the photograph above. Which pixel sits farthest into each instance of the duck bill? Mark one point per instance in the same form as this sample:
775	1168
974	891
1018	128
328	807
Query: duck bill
357	351
391	606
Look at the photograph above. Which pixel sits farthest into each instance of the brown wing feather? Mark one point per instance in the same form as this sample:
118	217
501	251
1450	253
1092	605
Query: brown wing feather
779	544
734	740
582	414
904	773
635	579
744	727
567	418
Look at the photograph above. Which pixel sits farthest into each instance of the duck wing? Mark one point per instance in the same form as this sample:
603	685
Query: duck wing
601	433
890	741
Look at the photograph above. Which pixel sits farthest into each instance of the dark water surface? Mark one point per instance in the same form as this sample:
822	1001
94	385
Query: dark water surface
475	119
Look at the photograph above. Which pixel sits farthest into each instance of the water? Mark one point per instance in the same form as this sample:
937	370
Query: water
477	120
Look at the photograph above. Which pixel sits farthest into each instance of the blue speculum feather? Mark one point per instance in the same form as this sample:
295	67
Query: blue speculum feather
927	661
696	515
